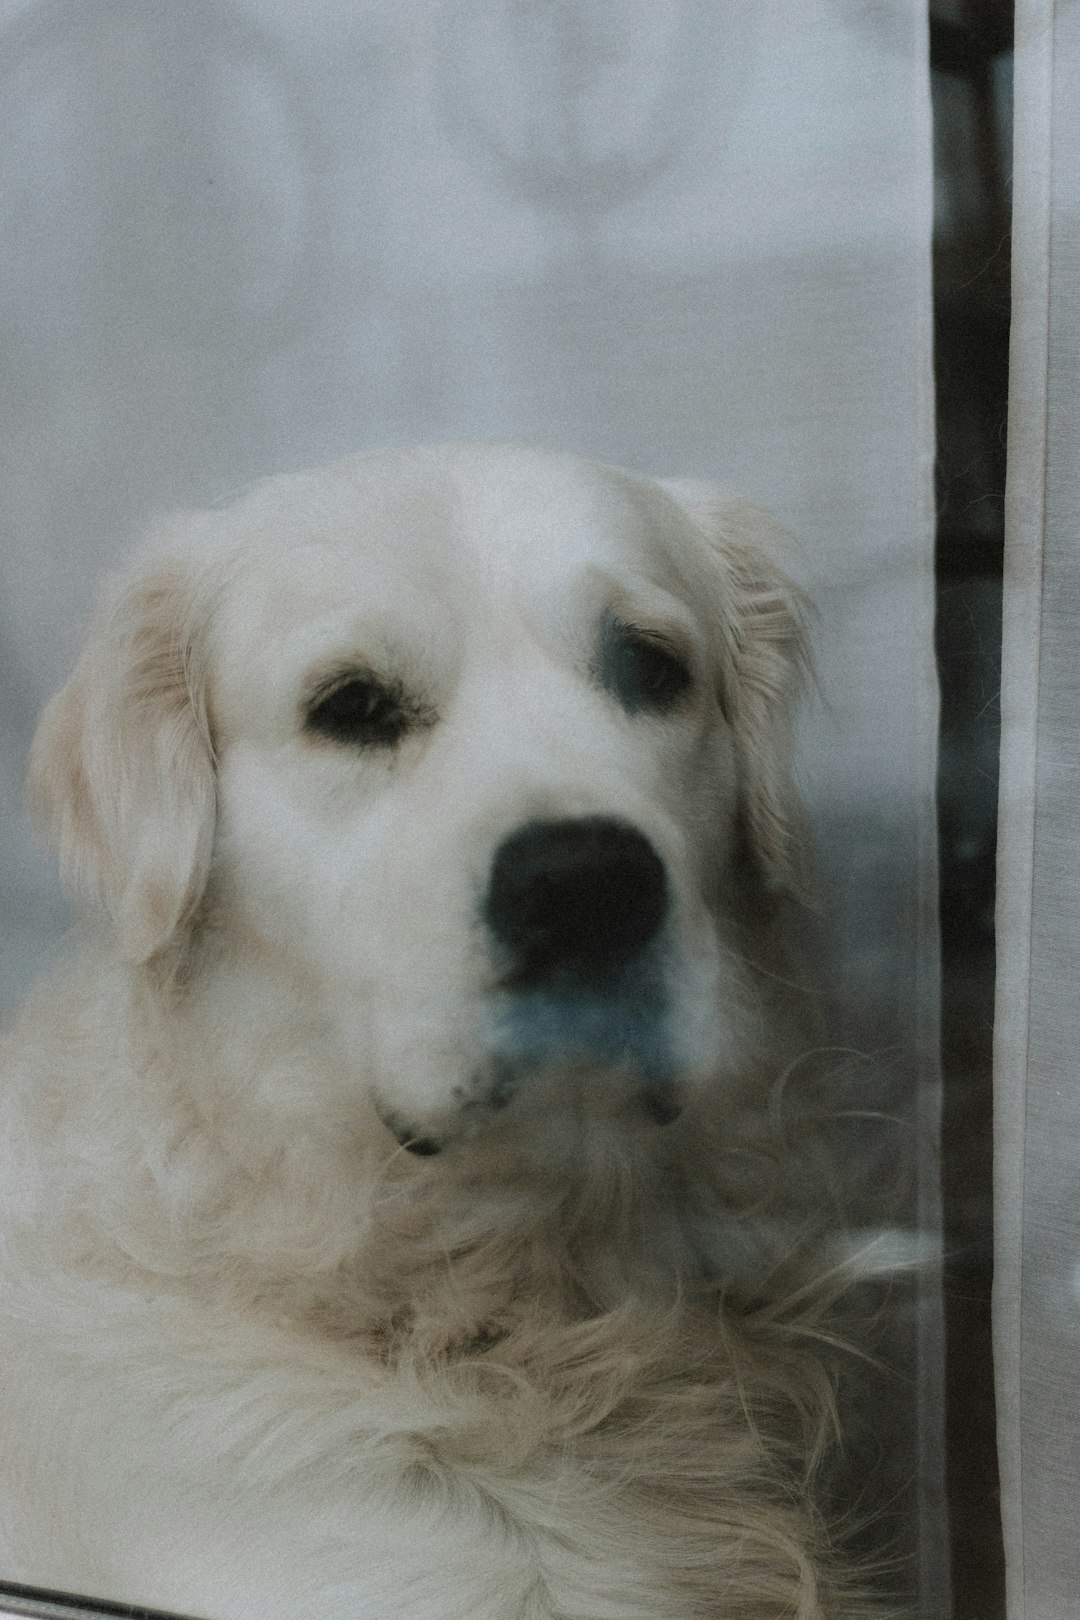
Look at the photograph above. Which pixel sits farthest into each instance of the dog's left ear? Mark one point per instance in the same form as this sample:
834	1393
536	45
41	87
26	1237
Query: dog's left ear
762	618
121	769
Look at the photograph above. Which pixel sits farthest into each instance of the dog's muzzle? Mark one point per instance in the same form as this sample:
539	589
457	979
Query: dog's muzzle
574	911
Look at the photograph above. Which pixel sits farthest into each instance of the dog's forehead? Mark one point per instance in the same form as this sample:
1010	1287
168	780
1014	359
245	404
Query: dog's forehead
534	518
443	532
323	542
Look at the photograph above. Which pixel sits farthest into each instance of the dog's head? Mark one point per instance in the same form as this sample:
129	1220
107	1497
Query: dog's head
479	756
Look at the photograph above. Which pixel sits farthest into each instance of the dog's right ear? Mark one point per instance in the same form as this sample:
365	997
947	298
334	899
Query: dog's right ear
122	768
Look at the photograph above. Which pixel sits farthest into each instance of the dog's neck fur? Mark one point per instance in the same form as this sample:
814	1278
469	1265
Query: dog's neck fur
330	1222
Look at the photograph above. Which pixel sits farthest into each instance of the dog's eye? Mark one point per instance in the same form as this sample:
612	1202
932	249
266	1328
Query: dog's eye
643	670
361	710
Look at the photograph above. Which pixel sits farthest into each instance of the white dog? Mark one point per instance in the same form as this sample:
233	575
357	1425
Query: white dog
379	1181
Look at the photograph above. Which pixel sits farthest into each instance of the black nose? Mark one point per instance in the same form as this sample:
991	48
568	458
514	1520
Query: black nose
579	897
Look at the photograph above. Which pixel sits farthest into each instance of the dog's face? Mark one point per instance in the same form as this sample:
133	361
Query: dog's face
480	751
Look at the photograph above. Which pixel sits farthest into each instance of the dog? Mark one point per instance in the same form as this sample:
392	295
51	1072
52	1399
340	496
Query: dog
384	1224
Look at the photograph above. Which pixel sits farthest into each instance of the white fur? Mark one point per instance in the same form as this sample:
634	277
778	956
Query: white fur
259	1361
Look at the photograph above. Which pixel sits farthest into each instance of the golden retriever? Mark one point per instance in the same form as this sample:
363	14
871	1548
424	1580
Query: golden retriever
381	1175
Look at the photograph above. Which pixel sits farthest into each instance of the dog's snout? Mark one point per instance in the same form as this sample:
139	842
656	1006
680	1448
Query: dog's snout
581	897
